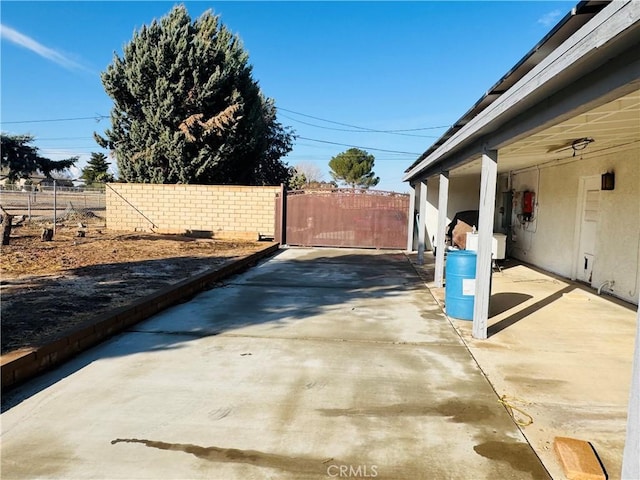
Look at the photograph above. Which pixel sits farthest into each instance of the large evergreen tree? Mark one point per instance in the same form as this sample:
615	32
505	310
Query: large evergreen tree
21	160
97	170
187	109
354	167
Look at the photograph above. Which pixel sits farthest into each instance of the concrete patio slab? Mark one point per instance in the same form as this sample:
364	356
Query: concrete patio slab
278	373
561	353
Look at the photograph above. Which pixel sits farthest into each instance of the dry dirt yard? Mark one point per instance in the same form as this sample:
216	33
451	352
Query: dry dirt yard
48	287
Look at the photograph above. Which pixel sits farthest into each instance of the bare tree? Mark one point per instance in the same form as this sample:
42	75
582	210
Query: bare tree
312	173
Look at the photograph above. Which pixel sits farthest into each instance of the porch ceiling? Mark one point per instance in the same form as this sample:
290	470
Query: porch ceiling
611	126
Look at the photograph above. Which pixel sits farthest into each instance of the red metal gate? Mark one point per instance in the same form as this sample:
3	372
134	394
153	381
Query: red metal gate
343	218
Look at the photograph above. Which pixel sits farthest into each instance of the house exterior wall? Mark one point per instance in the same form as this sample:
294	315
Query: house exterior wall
549	241
228	211
464	194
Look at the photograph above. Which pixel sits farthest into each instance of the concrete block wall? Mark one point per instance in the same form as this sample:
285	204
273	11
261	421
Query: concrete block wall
223	210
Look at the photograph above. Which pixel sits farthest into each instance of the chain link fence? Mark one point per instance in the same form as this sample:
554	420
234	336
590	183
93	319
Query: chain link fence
54	204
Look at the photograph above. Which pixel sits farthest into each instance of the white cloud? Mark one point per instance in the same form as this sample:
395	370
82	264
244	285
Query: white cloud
550	19
13	36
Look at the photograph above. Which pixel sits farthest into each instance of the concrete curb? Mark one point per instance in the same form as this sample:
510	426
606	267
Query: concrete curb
23	364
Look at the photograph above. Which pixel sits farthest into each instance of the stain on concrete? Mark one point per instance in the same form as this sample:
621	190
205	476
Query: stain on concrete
520	456
536	382
314	384
292	402
220	413
45	455
456	410
298	465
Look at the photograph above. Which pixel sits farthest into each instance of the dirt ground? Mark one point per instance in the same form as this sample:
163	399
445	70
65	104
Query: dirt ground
48	287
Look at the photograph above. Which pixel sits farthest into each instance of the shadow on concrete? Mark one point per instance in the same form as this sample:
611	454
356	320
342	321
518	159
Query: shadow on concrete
519	315
334	279
501	302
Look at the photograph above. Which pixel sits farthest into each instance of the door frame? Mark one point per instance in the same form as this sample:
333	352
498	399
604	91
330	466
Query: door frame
579	217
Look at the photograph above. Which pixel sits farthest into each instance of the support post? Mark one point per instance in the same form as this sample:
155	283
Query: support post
631	455
55	206
411	218
422	223
485	237
443	199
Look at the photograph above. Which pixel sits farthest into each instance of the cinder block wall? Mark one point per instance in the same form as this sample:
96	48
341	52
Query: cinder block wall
223	210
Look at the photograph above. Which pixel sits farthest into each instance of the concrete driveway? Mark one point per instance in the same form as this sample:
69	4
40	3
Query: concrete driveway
317	363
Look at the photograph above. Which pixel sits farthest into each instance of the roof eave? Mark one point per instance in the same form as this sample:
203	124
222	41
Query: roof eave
567	26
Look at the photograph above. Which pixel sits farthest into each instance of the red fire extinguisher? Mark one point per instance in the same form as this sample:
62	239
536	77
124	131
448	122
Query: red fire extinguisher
527	205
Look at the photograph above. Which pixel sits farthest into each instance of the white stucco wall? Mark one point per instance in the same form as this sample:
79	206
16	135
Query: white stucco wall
549	240
464	194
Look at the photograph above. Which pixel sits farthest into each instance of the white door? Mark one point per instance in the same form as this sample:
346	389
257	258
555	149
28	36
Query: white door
588	228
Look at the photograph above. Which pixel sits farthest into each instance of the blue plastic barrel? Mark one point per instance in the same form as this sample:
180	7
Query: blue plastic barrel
460	270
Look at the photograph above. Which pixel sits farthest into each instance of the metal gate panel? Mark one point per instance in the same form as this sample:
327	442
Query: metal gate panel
346	218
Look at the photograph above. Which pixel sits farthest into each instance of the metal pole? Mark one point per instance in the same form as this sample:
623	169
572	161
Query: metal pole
55	205
29	204
283	215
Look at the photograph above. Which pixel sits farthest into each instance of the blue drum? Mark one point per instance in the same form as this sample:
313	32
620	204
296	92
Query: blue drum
459	292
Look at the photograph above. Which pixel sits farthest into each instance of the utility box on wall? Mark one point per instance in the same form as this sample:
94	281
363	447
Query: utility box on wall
523	206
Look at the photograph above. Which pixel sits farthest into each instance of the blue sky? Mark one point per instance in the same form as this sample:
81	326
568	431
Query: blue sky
374	65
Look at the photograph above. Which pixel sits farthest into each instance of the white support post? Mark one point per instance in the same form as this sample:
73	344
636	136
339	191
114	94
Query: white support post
443	199
411	218
631	455
485	237
55	205
422	224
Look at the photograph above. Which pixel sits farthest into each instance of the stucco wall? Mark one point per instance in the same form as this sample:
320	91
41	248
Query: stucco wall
222	210
550	240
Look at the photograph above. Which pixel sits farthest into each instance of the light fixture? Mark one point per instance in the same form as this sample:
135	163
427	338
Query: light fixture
608	181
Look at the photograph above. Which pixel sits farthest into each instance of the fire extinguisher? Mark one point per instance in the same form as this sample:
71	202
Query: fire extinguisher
527	205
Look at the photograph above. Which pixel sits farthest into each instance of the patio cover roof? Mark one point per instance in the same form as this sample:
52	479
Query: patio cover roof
589	62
